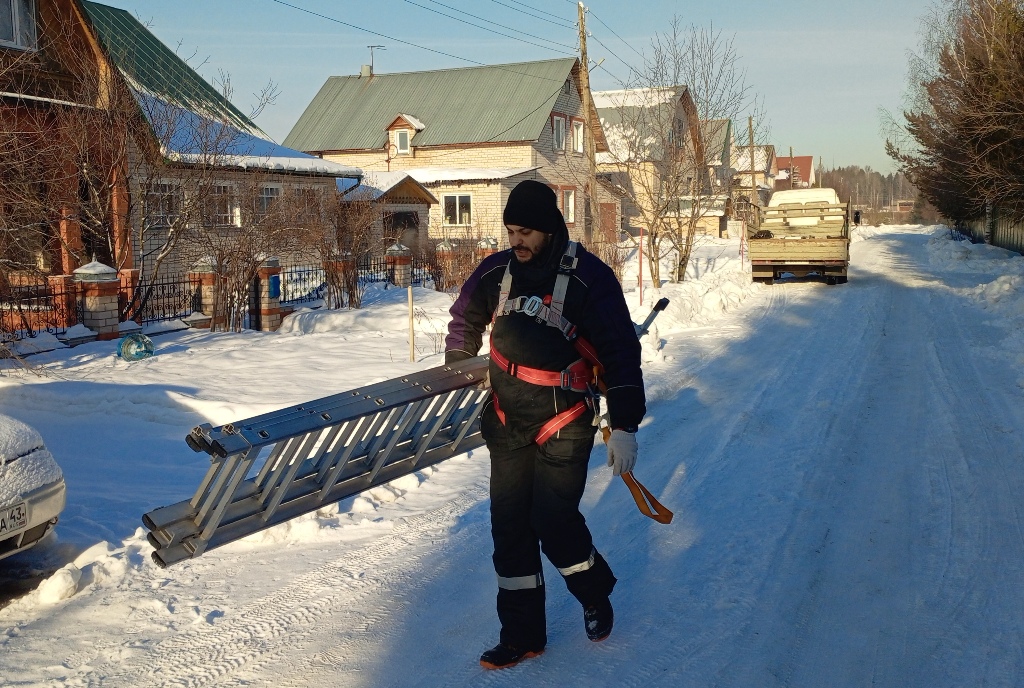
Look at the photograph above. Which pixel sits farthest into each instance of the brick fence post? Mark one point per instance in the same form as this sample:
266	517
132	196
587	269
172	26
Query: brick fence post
398	258
269	297
484	248
98	285
202	273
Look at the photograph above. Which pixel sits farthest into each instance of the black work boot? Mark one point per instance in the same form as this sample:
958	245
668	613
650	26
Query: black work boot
502	656
598	620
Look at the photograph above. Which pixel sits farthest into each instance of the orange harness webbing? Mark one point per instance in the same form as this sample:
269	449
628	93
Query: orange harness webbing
552	426
576	377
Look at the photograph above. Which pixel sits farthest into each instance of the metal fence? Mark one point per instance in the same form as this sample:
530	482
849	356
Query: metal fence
308	283
27	311
165	299
303	284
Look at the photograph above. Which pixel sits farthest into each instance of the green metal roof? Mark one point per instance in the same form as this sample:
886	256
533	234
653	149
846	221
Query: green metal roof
154	69
509	102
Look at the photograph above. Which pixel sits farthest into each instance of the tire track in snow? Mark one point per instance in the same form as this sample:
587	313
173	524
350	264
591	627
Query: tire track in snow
264	631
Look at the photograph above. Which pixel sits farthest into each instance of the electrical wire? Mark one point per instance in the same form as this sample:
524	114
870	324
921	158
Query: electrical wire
409	43
562	21
628	66
429	9
615	34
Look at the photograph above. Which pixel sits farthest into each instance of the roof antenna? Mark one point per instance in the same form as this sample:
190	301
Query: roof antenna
371	47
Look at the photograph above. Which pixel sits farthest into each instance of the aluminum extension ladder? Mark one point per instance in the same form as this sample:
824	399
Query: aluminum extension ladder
274	467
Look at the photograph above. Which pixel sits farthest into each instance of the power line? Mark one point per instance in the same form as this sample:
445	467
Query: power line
536	9
410	43
628	66
566	22
429	9
615	34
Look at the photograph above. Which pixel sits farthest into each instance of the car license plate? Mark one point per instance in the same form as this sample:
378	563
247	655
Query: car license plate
13	518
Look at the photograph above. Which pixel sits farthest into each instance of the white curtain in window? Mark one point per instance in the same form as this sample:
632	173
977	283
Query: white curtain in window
26	23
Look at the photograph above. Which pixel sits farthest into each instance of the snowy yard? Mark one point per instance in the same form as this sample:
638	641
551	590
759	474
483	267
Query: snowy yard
844	464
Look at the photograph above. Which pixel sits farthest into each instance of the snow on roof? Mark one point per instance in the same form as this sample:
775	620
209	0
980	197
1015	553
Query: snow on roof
192	137
418	125
375	183
634	97
432	175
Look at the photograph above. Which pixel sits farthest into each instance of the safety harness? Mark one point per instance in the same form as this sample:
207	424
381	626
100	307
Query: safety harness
580	375
583	375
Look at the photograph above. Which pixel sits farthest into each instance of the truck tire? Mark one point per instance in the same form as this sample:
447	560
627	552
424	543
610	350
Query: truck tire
841	280
831	280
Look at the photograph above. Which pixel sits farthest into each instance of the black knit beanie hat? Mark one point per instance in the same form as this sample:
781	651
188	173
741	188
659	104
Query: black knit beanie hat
534	205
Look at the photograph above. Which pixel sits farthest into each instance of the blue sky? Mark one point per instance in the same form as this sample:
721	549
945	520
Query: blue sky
823	67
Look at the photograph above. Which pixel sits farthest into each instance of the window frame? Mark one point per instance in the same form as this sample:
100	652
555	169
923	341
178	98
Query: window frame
170	198
569	205
558	131
458	208
408	141
263	207
26	36
578	137
228	197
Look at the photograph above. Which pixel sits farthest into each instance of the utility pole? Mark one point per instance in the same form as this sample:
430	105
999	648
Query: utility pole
751	212
792	167
588	109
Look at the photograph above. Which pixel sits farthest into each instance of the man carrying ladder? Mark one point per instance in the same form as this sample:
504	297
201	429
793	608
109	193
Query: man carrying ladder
559	320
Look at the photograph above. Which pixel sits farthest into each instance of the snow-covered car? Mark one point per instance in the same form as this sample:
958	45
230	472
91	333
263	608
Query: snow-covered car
32	492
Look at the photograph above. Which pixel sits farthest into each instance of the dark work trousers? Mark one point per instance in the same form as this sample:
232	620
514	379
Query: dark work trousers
535	500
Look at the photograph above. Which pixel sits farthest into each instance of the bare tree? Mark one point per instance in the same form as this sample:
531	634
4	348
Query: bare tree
671	146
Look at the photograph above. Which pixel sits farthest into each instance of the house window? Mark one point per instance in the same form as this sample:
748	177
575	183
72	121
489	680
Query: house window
162	203
558	133
264	202
457	209
402	140
569	205
220	208
567	87
577	137
18	23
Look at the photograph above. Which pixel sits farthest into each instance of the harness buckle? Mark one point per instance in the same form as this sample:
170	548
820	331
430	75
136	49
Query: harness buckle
532	305
567	264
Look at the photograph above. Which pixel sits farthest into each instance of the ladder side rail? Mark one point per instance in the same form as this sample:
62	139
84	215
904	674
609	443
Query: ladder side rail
346	404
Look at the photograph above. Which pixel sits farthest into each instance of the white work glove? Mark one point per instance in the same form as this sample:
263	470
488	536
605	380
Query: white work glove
621	451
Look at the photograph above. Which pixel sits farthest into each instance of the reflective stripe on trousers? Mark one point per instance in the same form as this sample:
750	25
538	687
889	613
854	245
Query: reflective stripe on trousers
535	580
577	568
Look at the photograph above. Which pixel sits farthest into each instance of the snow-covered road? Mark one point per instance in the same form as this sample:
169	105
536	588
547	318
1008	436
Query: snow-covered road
845	465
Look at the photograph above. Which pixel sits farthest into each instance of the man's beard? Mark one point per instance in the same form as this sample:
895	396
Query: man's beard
525	254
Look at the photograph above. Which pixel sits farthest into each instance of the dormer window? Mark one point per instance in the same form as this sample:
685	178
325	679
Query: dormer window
18	24
402	137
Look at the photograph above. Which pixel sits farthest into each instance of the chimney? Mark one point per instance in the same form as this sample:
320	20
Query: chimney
365	71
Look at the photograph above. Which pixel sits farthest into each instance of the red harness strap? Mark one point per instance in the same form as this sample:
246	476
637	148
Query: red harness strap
576	377
553	425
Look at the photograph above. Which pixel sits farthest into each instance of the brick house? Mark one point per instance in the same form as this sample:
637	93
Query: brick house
795	172
468	135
